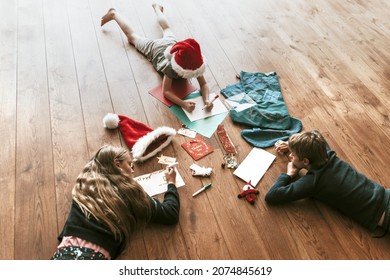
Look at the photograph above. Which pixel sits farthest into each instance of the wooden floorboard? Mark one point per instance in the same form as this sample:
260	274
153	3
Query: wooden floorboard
8	87
61	72
35	202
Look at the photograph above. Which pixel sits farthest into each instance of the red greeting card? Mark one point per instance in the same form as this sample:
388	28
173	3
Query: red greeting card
197	148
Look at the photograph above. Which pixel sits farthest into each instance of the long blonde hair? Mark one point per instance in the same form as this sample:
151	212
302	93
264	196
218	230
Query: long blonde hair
103	192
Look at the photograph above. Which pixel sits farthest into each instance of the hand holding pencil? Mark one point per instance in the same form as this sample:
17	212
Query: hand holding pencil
210	104
170	174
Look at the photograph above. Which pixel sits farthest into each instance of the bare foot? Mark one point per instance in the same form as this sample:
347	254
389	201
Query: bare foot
157	6
108	16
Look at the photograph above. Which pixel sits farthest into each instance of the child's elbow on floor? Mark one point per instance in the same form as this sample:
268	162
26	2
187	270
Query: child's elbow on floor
269	199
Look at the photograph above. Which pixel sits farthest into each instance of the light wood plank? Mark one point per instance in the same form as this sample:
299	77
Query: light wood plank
35	194
8	91
60	73
65	107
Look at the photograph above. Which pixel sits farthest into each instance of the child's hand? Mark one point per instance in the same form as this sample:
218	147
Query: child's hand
170	175
281	146
209	106
189	106
292	170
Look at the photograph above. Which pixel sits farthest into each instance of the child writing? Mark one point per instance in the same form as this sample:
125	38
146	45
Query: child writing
173	59
109	206
330	180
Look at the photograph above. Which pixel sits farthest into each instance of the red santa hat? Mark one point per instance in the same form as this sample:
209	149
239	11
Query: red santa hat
186	58
143	141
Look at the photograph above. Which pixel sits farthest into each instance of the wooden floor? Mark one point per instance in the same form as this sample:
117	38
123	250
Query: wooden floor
60	73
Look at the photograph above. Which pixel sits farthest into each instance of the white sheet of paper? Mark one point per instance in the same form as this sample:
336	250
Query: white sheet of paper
154	183
166	160
199	114
187	132
243	107
240	102
254	166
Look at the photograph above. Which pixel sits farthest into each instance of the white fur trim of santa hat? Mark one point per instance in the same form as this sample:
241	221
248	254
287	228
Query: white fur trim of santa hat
187	73
139	137
144	142
190	56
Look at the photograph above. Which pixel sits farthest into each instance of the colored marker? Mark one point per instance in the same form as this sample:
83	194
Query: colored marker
215	98
202	189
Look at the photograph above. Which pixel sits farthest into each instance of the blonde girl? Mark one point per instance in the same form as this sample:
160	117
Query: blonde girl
109	206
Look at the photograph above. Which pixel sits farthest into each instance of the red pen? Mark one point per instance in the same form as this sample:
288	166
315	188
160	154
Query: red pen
210	102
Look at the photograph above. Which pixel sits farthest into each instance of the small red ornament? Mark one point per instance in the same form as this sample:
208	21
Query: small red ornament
249	192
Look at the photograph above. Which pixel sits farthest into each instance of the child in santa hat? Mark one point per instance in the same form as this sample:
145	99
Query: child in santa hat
173	59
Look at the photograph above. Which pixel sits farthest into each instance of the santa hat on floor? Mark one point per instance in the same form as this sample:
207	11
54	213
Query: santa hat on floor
143	141
186	58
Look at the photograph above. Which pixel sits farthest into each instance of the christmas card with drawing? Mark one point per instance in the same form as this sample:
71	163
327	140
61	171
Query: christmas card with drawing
197	148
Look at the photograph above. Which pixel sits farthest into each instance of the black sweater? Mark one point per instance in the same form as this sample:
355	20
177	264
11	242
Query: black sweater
338	185
89	229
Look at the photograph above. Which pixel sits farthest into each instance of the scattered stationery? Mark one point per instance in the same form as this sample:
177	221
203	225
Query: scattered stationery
205	127
154	183
205	187
166	160
198	113
225	140
254	166
180	87
187	132
197	148
229	158
240	102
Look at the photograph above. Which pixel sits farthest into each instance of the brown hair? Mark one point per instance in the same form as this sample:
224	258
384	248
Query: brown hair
103	192
311	145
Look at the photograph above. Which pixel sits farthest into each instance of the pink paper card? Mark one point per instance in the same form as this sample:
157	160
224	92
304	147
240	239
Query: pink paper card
180	87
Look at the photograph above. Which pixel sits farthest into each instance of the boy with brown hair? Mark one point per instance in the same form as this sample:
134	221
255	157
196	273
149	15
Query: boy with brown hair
330	180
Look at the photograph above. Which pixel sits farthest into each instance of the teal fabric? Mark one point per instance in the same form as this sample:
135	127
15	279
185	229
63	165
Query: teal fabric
269	119
263	138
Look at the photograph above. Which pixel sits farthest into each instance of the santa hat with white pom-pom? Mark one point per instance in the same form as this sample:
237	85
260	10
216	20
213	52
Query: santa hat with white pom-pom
143	141
186	58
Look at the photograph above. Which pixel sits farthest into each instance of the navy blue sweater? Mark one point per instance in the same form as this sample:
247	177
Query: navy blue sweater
338	185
